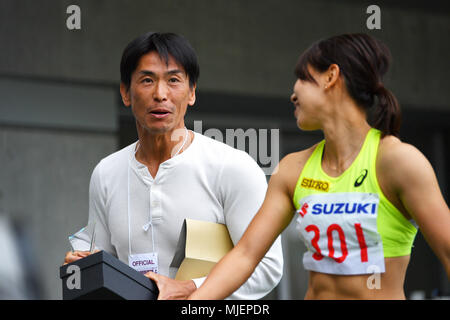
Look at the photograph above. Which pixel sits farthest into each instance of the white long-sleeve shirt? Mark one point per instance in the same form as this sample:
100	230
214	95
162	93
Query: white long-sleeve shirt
209	181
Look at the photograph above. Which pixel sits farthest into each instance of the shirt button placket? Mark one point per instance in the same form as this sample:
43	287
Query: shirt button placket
155	204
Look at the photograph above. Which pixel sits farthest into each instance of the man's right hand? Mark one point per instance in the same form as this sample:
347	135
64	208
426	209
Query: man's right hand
72	256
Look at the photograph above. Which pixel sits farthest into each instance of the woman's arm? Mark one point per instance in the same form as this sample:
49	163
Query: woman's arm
272	218
411	177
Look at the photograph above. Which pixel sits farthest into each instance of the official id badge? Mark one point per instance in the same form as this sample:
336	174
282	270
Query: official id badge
144	262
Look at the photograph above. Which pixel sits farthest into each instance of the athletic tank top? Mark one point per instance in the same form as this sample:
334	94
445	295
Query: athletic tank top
346	222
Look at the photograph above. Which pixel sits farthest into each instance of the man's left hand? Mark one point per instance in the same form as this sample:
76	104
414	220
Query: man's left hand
170	289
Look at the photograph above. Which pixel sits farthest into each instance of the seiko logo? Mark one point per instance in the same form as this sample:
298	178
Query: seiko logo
361	178
344	208
315	184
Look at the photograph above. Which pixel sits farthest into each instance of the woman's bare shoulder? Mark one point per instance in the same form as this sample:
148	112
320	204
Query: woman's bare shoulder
394	152
291	166
297	160
399	162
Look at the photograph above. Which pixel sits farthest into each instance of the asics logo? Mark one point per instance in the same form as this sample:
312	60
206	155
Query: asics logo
361	178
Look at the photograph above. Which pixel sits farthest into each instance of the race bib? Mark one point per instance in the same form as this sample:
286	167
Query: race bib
340	232
144	262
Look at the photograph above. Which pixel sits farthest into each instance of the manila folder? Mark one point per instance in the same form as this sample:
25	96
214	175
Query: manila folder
201	245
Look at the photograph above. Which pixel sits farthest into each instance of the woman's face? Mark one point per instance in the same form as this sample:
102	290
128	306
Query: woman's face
308	98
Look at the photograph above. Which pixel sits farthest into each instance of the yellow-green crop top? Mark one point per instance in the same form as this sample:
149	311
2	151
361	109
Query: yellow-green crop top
347	214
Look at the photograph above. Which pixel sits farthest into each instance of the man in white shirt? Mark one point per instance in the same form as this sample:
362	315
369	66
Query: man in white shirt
139	196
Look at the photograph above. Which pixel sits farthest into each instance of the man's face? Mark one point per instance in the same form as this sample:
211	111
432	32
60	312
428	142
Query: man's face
158	94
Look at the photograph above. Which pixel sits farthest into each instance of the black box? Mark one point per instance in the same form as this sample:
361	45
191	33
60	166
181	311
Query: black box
102	276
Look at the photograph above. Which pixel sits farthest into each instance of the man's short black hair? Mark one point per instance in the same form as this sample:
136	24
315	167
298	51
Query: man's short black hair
164	44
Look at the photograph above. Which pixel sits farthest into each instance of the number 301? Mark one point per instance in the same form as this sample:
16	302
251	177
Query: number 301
335	227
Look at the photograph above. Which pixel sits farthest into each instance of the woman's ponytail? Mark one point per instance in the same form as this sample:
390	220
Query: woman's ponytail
387	116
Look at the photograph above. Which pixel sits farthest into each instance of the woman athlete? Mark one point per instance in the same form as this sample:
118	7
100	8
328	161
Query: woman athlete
358	195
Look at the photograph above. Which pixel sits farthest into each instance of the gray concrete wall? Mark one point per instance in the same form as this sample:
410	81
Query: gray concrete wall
44	184
243	46
50	104
52	135
58	112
